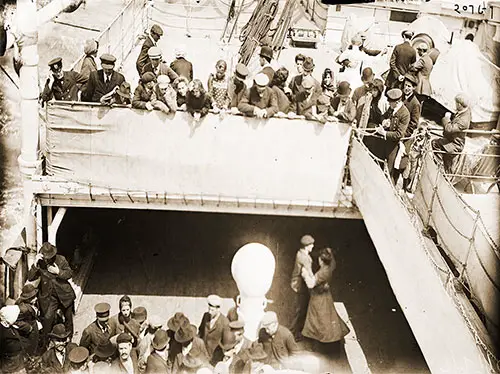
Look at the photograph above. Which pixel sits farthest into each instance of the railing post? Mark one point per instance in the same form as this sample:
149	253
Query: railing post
434	193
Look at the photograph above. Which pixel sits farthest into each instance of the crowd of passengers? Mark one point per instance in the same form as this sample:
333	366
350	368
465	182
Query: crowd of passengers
390	107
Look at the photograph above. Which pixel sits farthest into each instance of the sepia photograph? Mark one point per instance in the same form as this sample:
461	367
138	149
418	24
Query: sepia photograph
249	186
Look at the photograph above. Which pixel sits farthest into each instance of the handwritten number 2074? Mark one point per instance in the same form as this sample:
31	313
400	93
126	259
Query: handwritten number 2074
479	10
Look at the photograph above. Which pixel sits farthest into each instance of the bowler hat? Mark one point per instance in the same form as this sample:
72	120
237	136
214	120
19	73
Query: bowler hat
59	332
308	64
148	77
407	34
105	350
175	322
157	29
261	79
184	334
102	309
28	292
344	89
160	340
394	94
154	52
266	51
124	337
411	78
78	355
306	240
237	325
241	71
140	314
124	90
48	250
367	74
228	340
108	61
214	300
56	63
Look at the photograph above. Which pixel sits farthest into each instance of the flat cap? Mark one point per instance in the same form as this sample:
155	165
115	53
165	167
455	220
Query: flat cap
154	52
55	61
237	325
124	338
261	79
241	71
308	82
78	355
411	78
214	300
108	61
148	77
102	308
394	94
140	314
306	240
157	29
269	318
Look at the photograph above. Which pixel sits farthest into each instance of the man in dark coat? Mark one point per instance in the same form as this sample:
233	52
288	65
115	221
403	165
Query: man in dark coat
158	360
12	352
260	100
394	128
367	78
296	86
265	58
302	260
29	316
62	85
144	91
277	341
182	66
212	324
453	140
98	332
156	66
56	359
155	34
102	81
402	57
126	362
192	346
237	86
55	292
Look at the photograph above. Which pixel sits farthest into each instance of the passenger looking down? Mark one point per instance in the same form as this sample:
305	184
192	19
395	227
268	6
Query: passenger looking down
307	99
367	78
144	92
198	102
156	66
260	100
237	87
62	85
278	85
218	86
164	97
453	140
342	107
152	39
181	86
119	96
102	81
307	70
180	65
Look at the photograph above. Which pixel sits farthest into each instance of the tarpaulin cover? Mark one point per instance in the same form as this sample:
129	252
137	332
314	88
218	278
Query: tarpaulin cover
233	156
441	332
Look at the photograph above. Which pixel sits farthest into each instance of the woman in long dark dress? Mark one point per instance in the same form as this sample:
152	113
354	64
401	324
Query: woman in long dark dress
323	323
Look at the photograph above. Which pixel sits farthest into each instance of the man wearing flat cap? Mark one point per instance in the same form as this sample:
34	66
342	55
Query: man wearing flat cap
78	358
403	56
212	324
98	332
237	87
55	292
393	128
277	341
56	358
302	260
102	81
155	34
126	362
62	85
191	344
265	58
158	361
156	66
144	92
241	343
260	100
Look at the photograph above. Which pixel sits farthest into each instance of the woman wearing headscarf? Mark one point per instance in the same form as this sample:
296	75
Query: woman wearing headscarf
88	64
11	347
328	86
323	323
123	321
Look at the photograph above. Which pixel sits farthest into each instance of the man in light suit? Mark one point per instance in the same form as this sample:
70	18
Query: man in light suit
102	81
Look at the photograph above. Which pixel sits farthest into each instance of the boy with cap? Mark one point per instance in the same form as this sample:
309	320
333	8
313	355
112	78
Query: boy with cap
302	260
78	360
155	34
55	359
158	361
260	100
157	66
237	87
393	129
55	292
402	57
164	97
62	85
98	332
102	81
126	362
144	91
213	323
265	57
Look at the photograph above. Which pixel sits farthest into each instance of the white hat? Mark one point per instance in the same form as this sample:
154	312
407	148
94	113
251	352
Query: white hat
269	318
163	81
9	314
261	79
180	51
214	300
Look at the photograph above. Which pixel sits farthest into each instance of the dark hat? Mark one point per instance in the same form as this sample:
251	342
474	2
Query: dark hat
299	57
237	325
157	29
124	337
308	64
56	62
29	291
407	34
411	78
344	89
78	355
192	362
266	51
160	340
59	332
256	352
102	309
124	91
140	314
241	71
108	61
48	250
105	350
228	340
367	74
148	77
394	94
306	240
176	321
184	334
